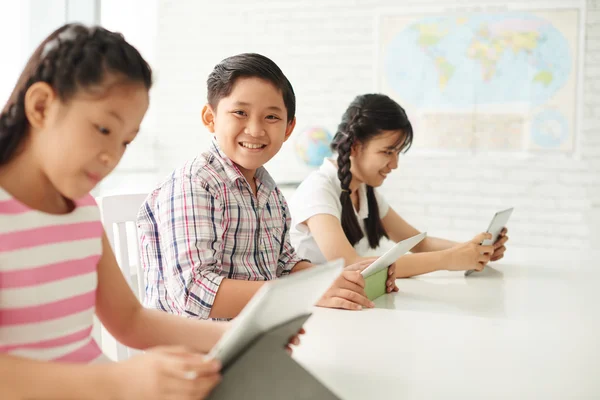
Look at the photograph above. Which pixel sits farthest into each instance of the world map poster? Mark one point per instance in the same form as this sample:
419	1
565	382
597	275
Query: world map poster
494	81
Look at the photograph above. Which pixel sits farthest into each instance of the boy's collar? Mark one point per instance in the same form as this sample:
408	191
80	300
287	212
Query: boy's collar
234	173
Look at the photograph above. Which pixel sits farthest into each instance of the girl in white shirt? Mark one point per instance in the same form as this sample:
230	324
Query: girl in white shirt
337	212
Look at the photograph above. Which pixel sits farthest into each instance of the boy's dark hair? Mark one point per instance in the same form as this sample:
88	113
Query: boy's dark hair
366	117
71	58
249	65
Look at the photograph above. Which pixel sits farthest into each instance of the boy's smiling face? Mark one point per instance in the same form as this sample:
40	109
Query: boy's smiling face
250	124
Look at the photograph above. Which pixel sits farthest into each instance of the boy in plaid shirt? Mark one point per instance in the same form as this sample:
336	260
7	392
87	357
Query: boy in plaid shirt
218	227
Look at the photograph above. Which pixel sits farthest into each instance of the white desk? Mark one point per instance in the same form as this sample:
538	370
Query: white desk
527	328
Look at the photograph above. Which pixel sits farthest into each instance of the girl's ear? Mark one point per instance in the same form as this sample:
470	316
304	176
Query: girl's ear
38	99
355	149
208	118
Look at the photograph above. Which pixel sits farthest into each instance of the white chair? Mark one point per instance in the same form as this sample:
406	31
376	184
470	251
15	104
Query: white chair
119	213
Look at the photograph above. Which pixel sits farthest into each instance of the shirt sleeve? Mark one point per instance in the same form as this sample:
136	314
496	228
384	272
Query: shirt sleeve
288	258
382	204
313	197
190	229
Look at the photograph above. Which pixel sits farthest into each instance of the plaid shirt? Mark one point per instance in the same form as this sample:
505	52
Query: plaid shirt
204	224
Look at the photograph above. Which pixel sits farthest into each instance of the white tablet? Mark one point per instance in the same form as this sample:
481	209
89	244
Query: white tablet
275	303
496	225
393	254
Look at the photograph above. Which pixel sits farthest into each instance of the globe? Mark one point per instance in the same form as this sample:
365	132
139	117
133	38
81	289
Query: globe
312	146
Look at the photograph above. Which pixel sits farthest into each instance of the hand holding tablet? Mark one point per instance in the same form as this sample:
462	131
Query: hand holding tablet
277	302
376	274
252	352
495	228
393	254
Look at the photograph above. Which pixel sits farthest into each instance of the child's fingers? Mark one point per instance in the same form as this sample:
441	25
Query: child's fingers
173	367
354	297
295	340
392	288
345	284
481	237
359	266
498	254
486	249
501	241
191	389
389	287
191	368
391	272
500	257
178	362
484	258
354	277
338	302
204	386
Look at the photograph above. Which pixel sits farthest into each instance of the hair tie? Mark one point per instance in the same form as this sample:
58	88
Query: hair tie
347	191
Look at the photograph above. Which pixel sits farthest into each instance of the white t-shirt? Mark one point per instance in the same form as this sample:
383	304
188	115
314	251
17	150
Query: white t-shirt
320	194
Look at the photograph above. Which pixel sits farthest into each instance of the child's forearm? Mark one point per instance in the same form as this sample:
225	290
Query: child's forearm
232	297
22	378
420	263
150	328
302	265
433	244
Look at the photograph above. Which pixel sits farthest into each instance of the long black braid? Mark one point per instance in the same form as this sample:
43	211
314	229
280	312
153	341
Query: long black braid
73	57
342	144
365	118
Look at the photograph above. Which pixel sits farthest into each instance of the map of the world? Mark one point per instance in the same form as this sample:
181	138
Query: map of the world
501	81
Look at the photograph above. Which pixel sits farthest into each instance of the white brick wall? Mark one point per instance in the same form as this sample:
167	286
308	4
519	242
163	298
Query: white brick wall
326	48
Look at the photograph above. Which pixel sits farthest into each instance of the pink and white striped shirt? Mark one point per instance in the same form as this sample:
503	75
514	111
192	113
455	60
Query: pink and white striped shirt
48	279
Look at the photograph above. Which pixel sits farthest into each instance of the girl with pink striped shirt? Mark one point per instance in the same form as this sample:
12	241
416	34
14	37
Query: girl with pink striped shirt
77	105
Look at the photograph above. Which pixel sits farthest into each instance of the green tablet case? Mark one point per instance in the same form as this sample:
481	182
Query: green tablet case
375	284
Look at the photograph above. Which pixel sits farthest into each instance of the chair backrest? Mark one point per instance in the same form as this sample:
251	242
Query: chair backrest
118	213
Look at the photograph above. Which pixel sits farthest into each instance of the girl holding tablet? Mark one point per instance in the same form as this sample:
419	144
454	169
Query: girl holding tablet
337	212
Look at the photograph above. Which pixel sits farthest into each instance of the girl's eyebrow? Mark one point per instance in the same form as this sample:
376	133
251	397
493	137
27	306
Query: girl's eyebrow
397	147
117	116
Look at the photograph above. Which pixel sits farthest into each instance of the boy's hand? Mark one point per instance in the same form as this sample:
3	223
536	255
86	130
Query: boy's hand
390	285
348	290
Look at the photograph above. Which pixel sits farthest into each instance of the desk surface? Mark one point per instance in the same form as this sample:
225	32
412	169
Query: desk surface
527	328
